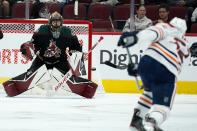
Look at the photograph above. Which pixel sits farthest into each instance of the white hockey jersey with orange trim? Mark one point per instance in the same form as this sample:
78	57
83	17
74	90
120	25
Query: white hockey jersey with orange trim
166	44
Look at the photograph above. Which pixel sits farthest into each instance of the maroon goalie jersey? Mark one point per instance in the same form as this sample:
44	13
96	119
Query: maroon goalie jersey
52	49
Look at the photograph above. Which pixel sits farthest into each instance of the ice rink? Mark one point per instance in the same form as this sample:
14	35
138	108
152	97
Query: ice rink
106	112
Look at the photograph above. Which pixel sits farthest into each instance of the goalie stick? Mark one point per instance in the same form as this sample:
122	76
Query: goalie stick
99	41
86	54
65	78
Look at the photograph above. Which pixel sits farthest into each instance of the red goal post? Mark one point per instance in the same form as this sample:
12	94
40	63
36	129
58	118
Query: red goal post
18	31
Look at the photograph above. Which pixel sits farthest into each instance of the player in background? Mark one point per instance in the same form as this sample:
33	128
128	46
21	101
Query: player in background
167	50
51	45
140	20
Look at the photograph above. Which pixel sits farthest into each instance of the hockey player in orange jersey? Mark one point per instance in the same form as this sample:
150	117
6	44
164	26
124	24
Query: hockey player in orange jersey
167	50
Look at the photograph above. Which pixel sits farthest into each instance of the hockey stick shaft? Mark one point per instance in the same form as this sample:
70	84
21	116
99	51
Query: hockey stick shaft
114	66
92	48
132	28
62	82
122	68
100	39
136	79
86	54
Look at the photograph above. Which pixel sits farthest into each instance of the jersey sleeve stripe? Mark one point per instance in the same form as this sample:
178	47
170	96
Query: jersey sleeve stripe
166	53
167	49
174	65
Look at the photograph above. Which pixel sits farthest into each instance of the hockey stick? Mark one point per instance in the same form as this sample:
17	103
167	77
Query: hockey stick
122	68
114	66
132	28
100	39
65	77
85	55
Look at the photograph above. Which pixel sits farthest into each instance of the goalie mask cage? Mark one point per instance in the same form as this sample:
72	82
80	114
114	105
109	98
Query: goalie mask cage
13	29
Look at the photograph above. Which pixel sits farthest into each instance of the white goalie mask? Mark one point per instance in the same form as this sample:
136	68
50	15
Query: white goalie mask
180	24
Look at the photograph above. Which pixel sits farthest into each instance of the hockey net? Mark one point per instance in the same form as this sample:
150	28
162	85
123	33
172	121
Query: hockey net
17	32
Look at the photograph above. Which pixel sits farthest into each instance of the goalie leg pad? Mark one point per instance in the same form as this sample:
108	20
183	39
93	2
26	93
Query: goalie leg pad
56	74
16	87
22	83
82	87
10	88
90	90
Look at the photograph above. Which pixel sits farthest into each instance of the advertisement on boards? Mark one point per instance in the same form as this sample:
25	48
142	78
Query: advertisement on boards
114	80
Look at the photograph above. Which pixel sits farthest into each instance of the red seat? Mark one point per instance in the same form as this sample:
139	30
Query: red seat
52	7
102	26
121	12
118	17
68	11
99	11
152	12
193	28
177	11
18	10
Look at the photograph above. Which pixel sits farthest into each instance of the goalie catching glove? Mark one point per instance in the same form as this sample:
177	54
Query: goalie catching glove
27	50
193	50
128	39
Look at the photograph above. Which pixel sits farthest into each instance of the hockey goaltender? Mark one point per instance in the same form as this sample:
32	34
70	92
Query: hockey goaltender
52	48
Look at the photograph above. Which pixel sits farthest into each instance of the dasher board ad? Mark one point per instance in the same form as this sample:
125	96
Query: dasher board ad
114	80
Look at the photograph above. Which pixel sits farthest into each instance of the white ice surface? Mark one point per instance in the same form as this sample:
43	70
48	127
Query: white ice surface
109	112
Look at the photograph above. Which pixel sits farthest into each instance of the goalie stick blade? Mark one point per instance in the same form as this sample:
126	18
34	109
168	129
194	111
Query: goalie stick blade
115	66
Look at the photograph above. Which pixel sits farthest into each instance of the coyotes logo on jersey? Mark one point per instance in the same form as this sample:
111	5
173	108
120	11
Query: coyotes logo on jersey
52	50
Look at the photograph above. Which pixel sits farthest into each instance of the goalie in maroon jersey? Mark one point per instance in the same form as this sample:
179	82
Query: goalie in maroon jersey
48	46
